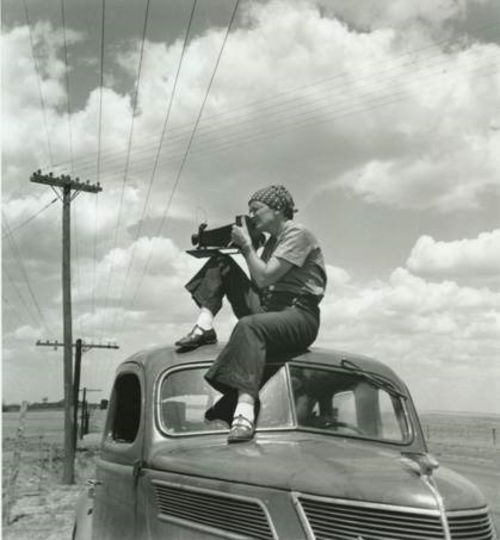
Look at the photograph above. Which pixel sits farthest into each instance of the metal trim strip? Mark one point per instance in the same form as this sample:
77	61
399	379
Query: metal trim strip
373	505
200	527
473	512
429	482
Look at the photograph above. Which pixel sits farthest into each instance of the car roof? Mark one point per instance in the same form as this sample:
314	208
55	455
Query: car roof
156	359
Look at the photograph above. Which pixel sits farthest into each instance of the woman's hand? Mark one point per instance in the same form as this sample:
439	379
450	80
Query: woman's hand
240	236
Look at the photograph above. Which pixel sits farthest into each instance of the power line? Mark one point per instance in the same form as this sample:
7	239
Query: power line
17	255
320	82
94	254
20	296
135	101
188	148
12	308
240	123
39	84
101	84
78	281
70	145
158	150
66	78
321	115
30	219
98	165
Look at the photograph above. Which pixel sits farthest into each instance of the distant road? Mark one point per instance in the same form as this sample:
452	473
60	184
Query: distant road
486	478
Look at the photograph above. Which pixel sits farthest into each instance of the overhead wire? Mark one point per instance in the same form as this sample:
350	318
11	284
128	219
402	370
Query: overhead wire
23	301
19	259
29	219
158	149
277	96
135	100
78	281
302	103
305	119
186	153
5	302
66	79
39	83
341	108
98	165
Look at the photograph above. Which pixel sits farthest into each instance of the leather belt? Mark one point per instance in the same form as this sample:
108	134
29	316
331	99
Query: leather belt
278	299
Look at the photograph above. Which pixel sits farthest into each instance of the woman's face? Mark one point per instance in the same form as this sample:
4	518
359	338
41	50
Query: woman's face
263	216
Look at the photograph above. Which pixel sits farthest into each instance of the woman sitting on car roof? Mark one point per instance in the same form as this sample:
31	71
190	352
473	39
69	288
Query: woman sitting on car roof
277	309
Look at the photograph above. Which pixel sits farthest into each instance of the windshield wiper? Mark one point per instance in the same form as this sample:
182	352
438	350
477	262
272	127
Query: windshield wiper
374	378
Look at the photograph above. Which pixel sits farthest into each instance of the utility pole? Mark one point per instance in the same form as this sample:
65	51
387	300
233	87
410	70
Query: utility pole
67	185
84	415
80	348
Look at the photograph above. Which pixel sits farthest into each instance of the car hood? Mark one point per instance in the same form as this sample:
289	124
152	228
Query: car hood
337	467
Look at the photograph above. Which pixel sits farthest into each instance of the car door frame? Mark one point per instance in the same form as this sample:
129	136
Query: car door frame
117	470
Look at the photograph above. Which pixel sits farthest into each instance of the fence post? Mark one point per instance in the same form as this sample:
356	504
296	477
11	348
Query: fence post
51	459
494	433
41	464
10	498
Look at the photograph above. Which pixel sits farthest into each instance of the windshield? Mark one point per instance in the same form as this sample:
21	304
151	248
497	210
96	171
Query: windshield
185	396
347	404
327	400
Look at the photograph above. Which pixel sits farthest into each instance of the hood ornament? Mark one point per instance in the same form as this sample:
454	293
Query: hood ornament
423	464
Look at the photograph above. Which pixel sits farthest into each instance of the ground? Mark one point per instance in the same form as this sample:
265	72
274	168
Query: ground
45	508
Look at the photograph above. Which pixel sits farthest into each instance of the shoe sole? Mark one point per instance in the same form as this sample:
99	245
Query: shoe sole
193	347
239	440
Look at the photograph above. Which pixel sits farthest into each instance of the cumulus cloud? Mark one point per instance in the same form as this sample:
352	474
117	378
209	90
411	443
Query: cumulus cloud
431	333
399	13
429	146
412	314
478	256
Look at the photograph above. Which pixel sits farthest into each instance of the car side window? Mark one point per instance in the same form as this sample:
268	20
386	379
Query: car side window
126	408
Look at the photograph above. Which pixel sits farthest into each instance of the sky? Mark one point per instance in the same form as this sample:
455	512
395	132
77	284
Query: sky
382	119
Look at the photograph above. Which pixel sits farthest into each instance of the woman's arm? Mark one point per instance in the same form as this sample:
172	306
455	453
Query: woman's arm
263	273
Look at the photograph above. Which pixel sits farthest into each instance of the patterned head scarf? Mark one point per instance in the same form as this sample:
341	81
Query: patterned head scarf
277	198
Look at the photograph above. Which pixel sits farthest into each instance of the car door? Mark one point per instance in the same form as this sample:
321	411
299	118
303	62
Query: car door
115	507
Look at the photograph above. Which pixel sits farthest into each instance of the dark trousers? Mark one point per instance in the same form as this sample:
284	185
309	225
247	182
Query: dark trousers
266	326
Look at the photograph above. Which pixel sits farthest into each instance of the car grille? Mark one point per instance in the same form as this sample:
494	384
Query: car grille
234	515
473	525
344	520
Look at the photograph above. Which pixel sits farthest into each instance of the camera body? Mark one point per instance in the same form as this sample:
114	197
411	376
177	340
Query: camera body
207	240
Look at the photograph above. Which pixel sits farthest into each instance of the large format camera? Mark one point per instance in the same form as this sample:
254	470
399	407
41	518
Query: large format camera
209	241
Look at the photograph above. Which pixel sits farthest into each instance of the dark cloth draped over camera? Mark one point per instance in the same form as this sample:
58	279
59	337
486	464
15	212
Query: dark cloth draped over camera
276	320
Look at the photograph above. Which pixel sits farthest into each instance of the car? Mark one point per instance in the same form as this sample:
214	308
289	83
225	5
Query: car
338	453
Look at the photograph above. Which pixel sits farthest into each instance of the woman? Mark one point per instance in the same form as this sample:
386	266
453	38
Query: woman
277	309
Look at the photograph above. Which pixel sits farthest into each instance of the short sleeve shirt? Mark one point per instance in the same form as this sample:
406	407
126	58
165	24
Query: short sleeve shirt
298	246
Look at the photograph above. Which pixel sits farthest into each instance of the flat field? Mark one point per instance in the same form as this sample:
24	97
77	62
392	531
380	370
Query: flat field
468	444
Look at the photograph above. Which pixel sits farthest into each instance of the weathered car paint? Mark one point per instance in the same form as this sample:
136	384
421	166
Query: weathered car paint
309	463
82	529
